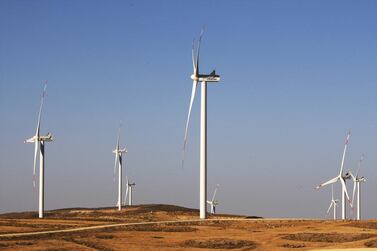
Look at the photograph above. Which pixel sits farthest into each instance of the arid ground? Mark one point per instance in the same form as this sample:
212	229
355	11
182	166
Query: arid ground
164	227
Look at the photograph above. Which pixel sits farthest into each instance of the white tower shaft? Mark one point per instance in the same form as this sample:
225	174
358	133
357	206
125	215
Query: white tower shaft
130	197
203	151
358	201
41	178
334	211
343	204
120	183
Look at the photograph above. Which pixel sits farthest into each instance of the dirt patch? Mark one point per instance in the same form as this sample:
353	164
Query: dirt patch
158	237
291	245
164	208
364	224
87	243
3	245
160	228
24	243
57	249
327	237
220	244
371	244
253	217
105	236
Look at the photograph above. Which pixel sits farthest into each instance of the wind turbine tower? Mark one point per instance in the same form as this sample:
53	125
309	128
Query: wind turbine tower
119	160
334	203
356	187
342	178
39	141
213	203
197	77
129	192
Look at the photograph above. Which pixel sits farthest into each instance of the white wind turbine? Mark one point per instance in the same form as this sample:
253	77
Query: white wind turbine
118	159
129	192
356	187
39	141
213	203
203	79
342	179
334	203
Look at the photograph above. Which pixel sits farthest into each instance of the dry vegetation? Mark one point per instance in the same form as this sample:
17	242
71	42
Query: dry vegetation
221	232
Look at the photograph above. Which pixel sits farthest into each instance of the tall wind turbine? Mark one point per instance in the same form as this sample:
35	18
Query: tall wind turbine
39	141
118	159
203	79
342	178
129	192
213	203
333	203
356	187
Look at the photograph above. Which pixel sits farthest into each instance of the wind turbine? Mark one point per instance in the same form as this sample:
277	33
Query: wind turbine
129	192
342	178
213	203
118	159
39	141
334	203
356	187
203	79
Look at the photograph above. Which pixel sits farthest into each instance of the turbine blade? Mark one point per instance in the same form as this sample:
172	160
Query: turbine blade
345	191
193	57
198	51
117	145
40	109
188	118
332	192
214	194
359	166
35	159
328	182
116	162
344	152
354	190
328	210
125	196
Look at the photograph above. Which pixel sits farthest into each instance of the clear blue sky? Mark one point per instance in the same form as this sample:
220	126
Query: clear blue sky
296	75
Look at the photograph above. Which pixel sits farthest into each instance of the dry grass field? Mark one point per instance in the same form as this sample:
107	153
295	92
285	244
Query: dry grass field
164	227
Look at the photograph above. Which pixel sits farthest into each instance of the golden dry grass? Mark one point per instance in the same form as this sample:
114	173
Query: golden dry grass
220	232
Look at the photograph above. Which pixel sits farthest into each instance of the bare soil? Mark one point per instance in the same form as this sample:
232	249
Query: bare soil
220	244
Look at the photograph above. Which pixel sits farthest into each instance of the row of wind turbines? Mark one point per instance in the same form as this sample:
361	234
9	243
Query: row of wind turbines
39	144
203	80
197	78
342	178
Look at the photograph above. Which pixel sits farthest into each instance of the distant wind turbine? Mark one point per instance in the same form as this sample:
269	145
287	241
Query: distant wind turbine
129	191
204	79
342	179
118	159
39	141
333	203
356	187
213	203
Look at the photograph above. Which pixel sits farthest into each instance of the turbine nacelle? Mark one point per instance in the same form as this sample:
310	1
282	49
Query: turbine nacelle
33	139
48	137
213	77
120	151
